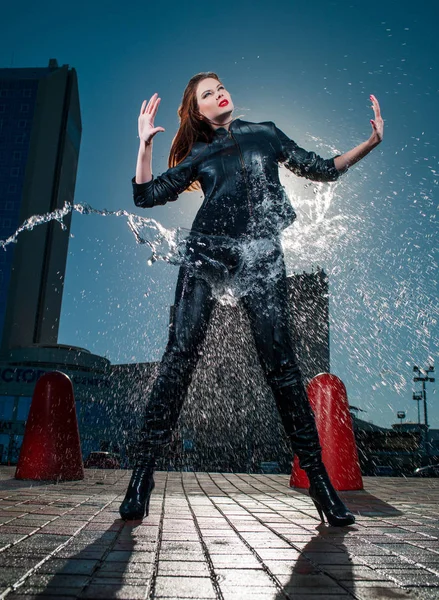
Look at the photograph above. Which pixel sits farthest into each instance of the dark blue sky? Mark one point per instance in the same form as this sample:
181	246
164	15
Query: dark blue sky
309	68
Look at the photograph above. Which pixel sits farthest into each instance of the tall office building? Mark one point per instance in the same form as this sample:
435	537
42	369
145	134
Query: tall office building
40	133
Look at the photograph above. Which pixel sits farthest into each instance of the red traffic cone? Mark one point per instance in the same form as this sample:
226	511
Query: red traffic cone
328	399
51	448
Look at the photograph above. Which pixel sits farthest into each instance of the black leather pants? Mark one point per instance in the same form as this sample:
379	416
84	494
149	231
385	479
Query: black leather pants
256	270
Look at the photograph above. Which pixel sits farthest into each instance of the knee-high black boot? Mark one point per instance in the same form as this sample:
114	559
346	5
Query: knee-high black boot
135	505
300	425
161	413
160	417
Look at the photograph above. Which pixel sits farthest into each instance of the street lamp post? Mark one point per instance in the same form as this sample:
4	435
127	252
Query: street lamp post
418	396
424	397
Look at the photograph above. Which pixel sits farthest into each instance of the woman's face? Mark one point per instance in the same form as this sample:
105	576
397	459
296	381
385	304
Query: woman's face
214	101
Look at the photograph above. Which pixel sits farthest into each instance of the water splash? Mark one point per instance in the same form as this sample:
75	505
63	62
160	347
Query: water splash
254	265
379	252
159	233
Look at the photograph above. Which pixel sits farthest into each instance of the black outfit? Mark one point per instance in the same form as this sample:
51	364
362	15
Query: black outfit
234	242
244	204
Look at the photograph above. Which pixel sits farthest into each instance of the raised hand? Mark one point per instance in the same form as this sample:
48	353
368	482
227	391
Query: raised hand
377	123
146	119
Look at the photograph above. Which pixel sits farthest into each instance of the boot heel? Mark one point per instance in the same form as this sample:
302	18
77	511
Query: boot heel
149	498
327	501
319	510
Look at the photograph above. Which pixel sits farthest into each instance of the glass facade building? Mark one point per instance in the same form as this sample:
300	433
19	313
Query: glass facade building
40	133
17	108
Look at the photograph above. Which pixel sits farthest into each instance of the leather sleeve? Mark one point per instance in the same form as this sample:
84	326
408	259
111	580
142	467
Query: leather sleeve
166	187
304	163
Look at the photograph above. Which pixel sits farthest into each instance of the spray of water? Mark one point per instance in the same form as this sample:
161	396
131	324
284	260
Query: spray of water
382	270
135	223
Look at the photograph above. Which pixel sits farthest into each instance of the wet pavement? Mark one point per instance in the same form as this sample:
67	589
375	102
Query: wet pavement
216	536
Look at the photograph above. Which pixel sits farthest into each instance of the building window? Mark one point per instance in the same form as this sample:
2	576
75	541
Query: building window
16	155
2	108
15	171
19	139
22	123
4	93
4	446
27	93
6	407
6	223
23	408
12	189
24	108
17	441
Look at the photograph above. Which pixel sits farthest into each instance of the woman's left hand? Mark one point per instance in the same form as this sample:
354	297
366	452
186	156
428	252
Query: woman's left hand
377	123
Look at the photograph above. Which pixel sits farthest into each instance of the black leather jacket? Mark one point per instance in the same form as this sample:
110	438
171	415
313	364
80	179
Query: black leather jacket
238	173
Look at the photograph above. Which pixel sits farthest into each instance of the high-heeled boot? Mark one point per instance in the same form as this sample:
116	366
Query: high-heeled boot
326	499
300	425
306	445
136	502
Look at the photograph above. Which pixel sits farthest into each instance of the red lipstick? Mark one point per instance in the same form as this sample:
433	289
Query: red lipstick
223	103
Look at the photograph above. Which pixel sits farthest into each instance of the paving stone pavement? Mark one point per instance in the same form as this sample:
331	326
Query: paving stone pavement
215	536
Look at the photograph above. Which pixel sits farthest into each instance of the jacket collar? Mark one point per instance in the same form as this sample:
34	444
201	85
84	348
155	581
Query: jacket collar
221	131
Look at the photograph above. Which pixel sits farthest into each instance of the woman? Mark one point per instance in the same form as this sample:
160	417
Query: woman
234	240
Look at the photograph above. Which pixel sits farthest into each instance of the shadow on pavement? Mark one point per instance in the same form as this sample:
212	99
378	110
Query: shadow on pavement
363	503
97	564
306	573
321	565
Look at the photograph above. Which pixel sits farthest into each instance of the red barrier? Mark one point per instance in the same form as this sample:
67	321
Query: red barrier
328	399
51	448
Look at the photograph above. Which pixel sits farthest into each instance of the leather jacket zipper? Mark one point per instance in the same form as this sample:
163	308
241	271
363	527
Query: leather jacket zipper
245	174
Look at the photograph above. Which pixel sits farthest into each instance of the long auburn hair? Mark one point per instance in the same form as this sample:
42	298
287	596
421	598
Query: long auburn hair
193	126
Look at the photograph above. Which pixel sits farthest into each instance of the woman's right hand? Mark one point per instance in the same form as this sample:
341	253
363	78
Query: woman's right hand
146	119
